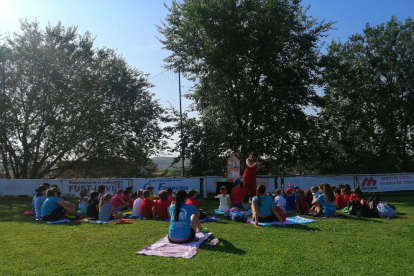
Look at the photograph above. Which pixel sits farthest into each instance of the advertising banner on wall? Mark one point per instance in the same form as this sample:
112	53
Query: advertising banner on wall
211	183
160	184
306	182
74	186
385	183
24	186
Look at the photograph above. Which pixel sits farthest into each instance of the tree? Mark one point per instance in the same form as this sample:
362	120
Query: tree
369	99
255	63
65	104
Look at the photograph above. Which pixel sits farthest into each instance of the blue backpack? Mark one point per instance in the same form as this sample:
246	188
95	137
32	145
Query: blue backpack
385	210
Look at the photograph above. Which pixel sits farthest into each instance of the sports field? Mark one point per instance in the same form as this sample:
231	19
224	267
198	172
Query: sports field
339	246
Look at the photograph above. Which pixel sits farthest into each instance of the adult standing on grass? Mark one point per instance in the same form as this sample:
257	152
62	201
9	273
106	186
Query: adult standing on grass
324	204
264	209
249	175
54	208
184	220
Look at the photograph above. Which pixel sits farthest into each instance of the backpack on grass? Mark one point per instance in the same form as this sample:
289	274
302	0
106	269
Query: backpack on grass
355	208
373	203
385	210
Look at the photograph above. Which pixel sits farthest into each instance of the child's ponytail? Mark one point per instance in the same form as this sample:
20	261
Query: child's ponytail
104	199
260	190
180	197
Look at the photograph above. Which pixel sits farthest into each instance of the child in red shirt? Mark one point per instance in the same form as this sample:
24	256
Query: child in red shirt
191	199
161	205
170	195
127	194
339	199
147	206
118	201
237	194
357	195
301	204
345	194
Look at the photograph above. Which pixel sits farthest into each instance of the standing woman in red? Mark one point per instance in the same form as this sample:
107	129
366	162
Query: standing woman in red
249	176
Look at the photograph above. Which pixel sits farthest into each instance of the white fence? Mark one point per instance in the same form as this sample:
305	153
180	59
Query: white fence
368	183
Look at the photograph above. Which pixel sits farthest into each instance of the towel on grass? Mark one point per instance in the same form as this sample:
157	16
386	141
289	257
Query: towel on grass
217	212
58	221
164	248
117	221
291	220
209	219
27	213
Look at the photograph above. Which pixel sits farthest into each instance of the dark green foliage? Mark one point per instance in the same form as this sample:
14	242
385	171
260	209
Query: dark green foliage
255	63
65	105
368	114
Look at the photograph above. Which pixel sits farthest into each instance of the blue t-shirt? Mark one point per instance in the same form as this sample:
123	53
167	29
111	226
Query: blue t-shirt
49	205
290	201
266	204
105	211
328	209
38	205
180	230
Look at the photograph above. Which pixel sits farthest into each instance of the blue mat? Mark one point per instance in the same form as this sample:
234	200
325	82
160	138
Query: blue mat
291	220
217	212
209	219
58	221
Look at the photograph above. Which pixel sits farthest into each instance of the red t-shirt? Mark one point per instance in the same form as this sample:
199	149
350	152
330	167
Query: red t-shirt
340	202
146	208
346	197
354	197
170	200
126	198
116	200
193	202
161	207
237	194
302	204
131	203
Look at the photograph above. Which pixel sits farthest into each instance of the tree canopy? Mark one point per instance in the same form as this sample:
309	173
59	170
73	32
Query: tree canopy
66	105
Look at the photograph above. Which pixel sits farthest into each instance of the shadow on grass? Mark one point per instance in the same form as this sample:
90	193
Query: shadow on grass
223	246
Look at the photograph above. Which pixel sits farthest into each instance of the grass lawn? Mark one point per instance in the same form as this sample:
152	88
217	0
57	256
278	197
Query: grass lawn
347	246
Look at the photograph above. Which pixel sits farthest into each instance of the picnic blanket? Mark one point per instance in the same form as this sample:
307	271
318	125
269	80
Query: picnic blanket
164	248
57	221
217	212
207	219
27	213
288	221
117	221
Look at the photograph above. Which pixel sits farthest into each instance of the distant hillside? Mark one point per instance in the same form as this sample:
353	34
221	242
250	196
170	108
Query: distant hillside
164	162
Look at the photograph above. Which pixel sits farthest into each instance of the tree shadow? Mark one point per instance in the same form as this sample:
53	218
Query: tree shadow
222	246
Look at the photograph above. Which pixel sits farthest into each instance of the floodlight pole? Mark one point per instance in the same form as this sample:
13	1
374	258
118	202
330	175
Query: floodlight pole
181	120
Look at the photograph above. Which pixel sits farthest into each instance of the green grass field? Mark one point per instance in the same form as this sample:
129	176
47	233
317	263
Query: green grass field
347	246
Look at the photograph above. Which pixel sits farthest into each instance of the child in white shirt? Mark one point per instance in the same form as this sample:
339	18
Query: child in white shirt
225	201
280	200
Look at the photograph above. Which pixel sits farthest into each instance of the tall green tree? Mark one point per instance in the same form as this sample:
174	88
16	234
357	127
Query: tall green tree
65	104
369	99
255	63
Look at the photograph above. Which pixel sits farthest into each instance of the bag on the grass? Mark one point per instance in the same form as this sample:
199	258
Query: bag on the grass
355	208
237	215
385	210
373	203
227	211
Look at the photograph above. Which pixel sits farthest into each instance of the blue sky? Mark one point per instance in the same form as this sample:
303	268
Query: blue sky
129	25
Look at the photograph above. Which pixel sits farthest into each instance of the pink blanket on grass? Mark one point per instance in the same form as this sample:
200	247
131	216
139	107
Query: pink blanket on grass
28	212
164	248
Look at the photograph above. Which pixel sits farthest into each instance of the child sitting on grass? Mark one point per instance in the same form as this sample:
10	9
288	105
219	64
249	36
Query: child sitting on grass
127	194
107	211
83	200
191	200
92	211
357	195
225	201
47	185
136	209
147	210
301	204
315	191
345	195
237	194
118	201
55	208
339	199
40	198
150	189
280	200
170	195
309	198
134	196
101	190
290	198
161	205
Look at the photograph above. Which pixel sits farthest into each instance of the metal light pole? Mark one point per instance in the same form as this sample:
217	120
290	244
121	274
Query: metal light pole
181	120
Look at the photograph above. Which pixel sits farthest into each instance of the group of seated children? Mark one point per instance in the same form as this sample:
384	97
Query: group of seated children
322	200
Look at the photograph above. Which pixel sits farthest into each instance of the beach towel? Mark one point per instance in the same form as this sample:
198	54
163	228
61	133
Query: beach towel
164	248
58	221
27	213
209	219
217	212
117	221
288	221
